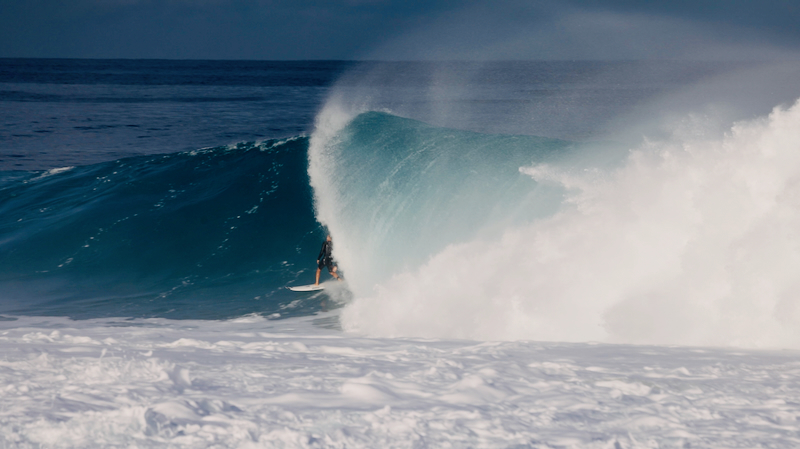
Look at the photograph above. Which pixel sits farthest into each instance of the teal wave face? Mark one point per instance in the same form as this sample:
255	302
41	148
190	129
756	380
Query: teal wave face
220	232
213	233
395	191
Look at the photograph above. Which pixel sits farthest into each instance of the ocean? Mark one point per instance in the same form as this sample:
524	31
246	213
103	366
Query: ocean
535	253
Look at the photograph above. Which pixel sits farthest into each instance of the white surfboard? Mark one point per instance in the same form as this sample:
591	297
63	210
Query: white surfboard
306	288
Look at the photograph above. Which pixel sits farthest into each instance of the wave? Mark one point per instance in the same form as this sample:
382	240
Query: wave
395	191
452	234
212	233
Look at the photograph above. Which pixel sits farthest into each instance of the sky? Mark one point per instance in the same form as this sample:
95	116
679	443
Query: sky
399	29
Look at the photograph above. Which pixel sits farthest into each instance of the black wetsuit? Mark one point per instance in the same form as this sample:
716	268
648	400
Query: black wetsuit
325	258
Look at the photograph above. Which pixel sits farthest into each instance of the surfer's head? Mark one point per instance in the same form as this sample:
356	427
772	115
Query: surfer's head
328	238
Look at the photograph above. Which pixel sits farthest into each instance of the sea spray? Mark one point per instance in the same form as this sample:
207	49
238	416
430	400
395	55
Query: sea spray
688	242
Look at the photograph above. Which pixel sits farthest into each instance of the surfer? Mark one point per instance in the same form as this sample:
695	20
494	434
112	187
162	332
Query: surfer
325	259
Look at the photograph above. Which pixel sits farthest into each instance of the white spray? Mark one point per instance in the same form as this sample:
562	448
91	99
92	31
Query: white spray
690	242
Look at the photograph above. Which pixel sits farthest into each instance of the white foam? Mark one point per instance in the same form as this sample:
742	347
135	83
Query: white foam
690	242
294	384
51	172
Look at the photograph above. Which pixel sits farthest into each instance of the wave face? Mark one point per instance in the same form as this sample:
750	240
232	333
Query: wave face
213	233
395	191
459	235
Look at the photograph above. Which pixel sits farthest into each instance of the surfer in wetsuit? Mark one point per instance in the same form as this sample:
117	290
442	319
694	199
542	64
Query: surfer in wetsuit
325	259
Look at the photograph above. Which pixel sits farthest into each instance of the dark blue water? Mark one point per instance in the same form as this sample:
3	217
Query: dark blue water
73	112
180	188
206	234
145	224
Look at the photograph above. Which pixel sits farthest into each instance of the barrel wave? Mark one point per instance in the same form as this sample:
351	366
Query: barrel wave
396	191
211	234
451	234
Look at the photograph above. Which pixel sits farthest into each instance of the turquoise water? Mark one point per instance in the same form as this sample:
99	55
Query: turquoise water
206	234
220	232
181	189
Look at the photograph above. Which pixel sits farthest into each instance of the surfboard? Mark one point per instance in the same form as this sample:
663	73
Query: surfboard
306	288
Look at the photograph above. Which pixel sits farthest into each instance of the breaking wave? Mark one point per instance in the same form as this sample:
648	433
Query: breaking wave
454	234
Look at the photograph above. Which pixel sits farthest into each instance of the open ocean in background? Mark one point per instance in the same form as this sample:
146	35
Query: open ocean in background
578	254
61	112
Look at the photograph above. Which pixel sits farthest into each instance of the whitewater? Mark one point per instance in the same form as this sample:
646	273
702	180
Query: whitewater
503	288
687	242
302	383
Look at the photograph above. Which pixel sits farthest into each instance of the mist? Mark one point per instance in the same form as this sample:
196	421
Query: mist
671	168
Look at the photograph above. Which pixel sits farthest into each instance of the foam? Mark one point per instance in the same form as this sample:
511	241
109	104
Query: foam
690	242
294	384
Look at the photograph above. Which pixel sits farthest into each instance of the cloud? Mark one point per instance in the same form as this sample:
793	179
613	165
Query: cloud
393	29
550	32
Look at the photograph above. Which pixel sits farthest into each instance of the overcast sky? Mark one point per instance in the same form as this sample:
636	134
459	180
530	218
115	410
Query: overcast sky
393	29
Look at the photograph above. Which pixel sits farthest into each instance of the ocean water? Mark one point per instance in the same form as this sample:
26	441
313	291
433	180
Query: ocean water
535	254
180	189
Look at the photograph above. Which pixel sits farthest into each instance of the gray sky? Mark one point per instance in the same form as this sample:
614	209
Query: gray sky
394	29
